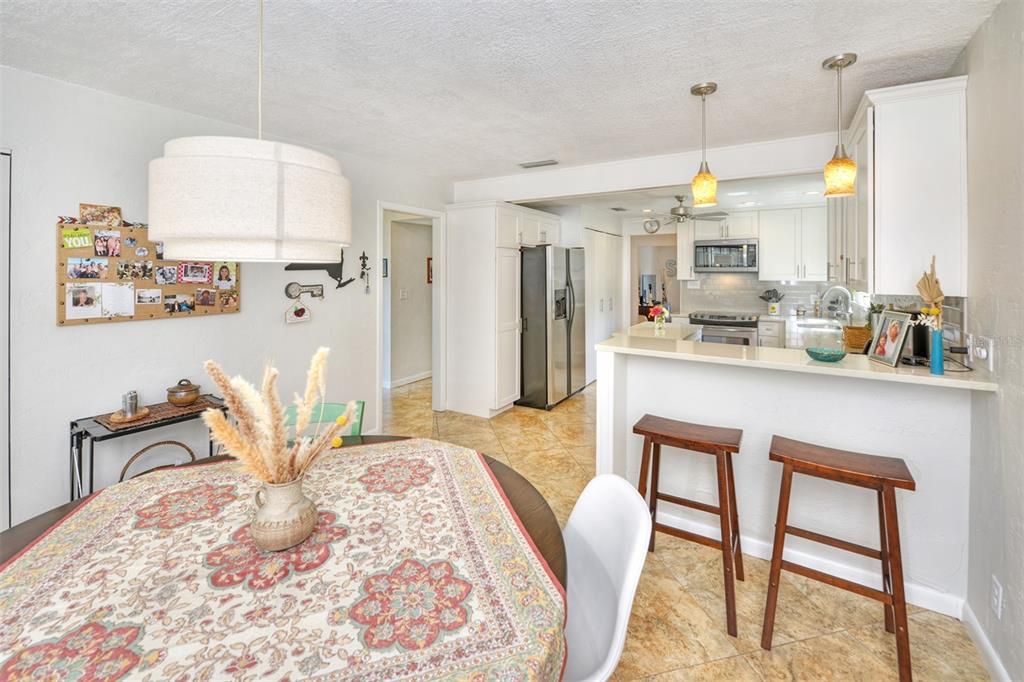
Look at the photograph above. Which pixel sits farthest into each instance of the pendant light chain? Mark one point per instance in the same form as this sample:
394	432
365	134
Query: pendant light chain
259	80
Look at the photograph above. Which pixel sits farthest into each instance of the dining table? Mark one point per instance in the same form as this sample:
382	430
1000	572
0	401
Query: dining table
428	561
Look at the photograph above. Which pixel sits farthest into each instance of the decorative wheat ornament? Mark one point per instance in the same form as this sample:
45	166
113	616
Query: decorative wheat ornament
930	290
259	438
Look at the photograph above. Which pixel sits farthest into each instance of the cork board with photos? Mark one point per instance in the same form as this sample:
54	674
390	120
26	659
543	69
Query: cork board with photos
108	270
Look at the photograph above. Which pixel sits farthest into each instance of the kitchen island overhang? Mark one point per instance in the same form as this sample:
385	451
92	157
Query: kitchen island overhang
852	405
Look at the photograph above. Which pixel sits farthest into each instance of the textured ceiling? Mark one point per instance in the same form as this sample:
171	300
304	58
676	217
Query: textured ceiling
469	89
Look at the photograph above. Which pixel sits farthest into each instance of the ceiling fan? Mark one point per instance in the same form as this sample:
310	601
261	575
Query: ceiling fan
680	214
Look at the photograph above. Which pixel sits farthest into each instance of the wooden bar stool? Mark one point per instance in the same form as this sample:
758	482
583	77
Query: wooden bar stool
712	440
882	474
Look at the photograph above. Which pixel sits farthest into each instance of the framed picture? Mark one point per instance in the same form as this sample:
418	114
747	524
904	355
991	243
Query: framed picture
430	270
887	343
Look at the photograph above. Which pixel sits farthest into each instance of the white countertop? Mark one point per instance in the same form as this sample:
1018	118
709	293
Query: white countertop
641	340
677	331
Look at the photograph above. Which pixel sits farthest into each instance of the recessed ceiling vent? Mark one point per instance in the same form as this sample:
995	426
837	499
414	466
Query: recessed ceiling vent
619	209
539	164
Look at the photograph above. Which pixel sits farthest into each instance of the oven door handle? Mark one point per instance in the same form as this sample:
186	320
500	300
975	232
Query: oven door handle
718	328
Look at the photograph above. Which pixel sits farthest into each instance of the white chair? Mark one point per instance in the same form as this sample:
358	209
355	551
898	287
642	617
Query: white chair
605	546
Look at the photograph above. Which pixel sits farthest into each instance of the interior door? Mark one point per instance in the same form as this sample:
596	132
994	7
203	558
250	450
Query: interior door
5	283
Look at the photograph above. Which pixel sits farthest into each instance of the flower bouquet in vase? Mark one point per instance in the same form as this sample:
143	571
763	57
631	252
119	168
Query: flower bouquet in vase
260	439
931	316
659	314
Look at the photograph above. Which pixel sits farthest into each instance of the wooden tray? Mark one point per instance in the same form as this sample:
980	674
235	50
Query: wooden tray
119	418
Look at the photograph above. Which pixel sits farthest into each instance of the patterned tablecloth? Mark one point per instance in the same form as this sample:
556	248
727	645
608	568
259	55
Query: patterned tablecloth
417	569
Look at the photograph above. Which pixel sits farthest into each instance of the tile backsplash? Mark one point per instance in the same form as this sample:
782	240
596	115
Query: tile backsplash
738	292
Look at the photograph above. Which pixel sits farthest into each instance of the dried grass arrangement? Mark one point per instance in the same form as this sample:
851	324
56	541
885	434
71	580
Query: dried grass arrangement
260	438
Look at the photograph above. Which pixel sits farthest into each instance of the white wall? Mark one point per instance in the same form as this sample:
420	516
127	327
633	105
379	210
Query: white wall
790	156
72	144
410	322
994	63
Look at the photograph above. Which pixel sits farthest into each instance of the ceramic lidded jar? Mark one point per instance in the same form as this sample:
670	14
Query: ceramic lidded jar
284	516
183	393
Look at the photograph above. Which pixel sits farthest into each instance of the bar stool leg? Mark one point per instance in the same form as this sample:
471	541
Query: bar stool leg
886	578
725	516
776	568
738	552
645	459
655	470
899	601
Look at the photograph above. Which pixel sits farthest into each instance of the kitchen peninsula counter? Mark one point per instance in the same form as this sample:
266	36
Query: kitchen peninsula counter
854	404
677	343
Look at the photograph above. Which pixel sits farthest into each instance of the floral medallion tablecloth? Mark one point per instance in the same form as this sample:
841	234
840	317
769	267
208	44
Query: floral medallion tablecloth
417	569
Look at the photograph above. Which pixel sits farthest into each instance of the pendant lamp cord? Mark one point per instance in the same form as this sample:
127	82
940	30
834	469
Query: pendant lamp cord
839	105
259	81
703	128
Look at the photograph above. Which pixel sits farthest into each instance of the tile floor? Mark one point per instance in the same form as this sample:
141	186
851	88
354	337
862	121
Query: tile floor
677	628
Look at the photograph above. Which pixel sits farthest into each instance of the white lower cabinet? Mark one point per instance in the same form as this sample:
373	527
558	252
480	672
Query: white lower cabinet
771	333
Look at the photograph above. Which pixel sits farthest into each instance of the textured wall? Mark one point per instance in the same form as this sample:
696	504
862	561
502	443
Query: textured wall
994	62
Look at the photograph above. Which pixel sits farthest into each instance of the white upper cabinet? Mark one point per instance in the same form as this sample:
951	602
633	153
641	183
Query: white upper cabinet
706	229
507	229
741	225
780	245
910	145
794	244
685	233
814	244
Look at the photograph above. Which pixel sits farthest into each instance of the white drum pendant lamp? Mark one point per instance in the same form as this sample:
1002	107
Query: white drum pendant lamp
251	200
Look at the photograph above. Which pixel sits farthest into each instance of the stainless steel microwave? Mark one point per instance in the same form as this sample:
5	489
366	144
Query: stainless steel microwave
725	255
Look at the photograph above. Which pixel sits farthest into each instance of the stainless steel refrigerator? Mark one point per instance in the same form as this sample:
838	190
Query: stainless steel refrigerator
554	345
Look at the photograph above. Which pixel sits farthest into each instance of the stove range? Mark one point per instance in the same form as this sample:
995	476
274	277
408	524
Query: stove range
723	319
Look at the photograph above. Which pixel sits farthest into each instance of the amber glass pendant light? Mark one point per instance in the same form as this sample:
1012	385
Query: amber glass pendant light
841	171
704	185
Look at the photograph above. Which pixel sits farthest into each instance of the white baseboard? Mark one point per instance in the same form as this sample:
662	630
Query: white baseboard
917	594
988	653
407	380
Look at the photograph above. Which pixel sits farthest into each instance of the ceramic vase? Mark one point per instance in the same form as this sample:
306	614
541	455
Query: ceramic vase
935	352
773	308
284	516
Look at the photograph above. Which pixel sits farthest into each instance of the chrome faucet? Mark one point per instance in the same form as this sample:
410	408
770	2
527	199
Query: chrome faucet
834	308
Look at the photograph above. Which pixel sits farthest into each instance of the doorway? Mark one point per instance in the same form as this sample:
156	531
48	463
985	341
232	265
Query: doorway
411	299
652	274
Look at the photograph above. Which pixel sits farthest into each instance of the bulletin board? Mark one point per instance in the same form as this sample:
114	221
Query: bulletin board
111	272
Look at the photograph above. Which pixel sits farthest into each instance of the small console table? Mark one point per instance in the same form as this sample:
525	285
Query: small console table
100	428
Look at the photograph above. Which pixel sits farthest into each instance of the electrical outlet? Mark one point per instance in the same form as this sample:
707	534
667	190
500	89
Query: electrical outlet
969	342
983	350
996	598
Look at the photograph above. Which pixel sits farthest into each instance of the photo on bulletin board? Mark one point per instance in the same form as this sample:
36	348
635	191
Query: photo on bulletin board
107	243
224	277
108	270
88	268
97	214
